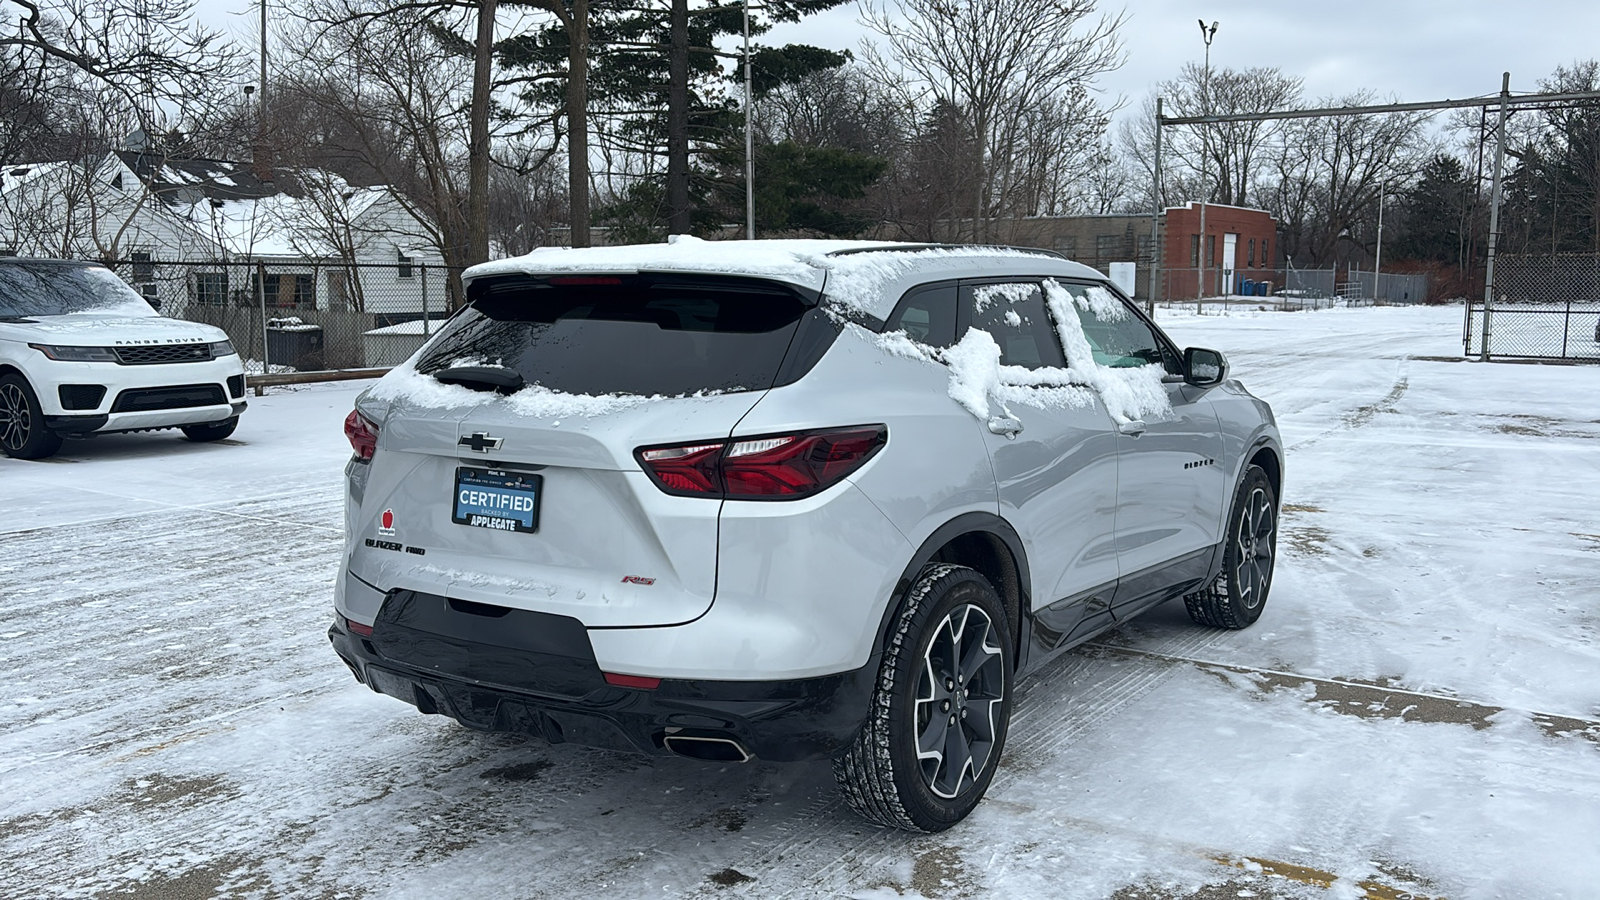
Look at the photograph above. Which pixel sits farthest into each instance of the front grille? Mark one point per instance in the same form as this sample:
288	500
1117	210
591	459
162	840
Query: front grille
181	397
81	396
158	354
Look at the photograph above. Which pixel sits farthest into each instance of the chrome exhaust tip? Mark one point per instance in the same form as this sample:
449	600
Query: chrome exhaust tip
709	748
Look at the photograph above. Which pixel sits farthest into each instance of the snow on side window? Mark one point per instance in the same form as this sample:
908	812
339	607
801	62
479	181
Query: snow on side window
1011	292
1102	303
1129	393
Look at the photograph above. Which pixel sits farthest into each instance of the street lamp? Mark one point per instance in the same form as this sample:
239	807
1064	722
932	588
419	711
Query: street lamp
1206	34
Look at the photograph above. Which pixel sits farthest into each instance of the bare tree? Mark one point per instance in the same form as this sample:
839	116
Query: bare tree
150	55
1234	151
1330	172
1010	66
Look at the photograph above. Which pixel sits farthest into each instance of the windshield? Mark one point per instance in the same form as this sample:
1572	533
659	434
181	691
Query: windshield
53	289
624	335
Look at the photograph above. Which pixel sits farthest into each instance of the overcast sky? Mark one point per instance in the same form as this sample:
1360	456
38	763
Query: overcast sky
1413	49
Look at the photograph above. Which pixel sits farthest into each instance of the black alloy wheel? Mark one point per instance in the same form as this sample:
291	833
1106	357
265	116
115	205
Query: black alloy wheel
1239	593
959	692
22	431
937	724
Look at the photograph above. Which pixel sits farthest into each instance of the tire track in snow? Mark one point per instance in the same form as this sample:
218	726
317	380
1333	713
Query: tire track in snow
1361	415
825	850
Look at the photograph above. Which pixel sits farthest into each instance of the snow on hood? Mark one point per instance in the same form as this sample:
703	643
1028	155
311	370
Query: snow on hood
111	328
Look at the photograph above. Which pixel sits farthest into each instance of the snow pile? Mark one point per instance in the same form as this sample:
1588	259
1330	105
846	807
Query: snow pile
404	384
791	261
1130	394
857	281
977	378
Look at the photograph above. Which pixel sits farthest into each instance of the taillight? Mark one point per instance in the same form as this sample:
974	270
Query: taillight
363	435
765	467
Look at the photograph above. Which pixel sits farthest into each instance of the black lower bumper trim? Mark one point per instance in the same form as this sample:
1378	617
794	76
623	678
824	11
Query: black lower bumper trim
498	669
70	425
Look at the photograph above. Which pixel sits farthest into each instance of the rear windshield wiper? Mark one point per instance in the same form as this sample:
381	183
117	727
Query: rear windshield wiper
482	378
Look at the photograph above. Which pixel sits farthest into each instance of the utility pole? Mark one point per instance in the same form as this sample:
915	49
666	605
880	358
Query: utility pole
678	120
1494	213
1205	155
749	140
263	86
1377	257
478	139
1155	221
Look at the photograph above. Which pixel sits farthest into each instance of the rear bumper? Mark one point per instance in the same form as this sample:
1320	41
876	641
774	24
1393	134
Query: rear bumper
526	672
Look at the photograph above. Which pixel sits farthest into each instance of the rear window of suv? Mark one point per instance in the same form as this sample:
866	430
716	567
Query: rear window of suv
624	335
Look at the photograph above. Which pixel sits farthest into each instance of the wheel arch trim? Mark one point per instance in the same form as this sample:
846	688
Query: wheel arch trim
1016	601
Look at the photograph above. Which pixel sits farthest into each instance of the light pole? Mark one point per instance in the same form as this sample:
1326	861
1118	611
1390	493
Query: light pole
1206	34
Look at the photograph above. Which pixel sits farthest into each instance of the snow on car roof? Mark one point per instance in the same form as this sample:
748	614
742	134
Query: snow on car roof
863	276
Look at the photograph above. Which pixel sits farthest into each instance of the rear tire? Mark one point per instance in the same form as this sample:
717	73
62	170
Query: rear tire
940	712
211	431
1239	593
22	431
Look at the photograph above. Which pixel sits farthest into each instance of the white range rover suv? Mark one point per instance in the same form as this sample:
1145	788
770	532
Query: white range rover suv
82	353
790	499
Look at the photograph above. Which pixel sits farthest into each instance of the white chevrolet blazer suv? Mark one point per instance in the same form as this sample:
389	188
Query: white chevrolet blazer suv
82	354
790	499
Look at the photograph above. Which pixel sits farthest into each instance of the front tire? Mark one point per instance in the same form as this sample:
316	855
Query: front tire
941	709
22	431
1239	594
211	431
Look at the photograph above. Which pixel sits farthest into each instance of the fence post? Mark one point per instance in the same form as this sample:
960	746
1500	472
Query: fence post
261	307
1494	213
424	273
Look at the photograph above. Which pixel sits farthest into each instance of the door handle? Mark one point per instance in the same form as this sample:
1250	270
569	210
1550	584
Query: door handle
1010	426
1132	429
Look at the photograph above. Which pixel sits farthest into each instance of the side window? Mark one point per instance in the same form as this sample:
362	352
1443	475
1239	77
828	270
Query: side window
1014	315
927	315
1117	336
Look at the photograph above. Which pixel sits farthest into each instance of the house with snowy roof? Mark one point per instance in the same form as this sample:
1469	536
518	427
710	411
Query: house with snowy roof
193	232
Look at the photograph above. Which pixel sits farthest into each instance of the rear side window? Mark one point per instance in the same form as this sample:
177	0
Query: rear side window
624	335
927	315
1014	315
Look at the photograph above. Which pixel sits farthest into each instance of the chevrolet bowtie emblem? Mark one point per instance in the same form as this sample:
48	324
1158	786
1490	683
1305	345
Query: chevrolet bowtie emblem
480	442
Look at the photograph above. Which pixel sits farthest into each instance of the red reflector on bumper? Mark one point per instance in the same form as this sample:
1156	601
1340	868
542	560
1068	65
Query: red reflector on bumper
358	628
632	681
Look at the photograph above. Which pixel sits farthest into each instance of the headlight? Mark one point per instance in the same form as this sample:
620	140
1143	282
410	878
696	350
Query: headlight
76	354
222	348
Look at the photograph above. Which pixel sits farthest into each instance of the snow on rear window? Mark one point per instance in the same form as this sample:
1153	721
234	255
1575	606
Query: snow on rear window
405	385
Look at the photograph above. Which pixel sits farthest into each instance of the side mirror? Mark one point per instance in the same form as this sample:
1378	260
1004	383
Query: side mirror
1204	368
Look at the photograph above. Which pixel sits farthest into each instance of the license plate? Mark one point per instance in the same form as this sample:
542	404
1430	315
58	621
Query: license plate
503	501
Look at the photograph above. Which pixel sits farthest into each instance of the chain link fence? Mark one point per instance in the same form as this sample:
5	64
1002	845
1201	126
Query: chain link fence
1545	307
1289	288
304	317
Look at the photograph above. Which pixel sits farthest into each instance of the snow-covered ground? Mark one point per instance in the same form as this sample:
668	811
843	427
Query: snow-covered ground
1418	710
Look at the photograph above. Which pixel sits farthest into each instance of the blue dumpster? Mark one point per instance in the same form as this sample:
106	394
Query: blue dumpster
1263	288
1246	287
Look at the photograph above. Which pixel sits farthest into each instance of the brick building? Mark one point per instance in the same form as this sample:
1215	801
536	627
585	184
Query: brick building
1239	243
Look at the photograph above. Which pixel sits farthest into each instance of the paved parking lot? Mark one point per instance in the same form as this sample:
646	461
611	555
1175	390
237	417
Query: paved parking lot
1417	713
